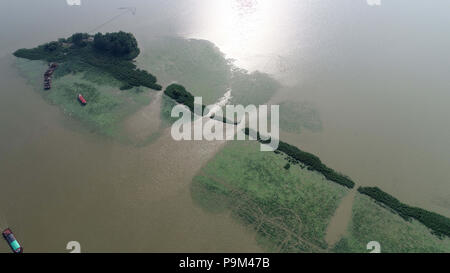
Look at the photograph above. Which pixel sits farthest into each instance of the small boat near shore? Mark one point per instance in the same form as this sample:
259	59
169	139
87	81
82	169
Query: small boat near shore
48	75
81	99
12	241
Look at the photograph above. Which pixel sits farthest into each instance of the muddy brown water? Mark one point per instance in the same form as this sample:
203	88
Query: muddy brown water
62	183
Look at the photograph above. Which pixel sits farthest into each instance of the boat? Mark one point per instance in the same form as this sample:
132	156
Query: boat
12	241
47	84
48	75
81	99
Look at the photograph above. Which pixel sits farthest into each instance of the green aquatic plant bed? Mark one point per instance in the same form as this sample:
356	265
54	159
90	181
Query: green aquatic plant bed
203	69
372	222
288	208
298	116
311	161
439	224
107	105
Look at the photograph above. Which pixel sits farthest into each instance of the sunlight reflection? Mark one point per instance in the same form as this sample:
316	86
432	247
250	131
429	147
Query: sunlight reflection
257	34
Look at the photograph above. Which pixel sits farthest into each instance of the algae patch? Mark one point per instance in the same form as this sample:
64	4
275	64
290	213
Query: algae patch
288	208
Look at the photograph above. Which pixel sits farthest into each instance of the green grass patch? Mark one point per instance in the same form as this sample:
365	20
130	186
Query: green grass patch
311	161
166	109
440	225
198	65
202	69
372	222
107	105
288	208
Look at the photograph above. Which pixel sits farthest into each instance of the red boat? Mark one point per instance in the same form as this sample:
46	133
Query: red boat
81	99
12	241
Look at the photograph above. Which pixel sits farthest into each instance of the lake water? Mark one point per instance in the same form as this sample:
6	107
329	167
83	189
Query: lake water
376	75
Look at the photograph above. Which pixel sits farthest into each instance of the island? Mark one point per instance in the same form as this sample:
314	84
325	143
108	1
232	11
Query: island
179	93
112	53
288	198
312	162
93	78
439	224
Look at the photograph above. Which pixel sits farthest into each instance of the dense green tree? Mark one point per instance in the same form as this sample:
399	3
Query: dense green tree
100	42
440	225
111	52
120	44
181	95
52	46
77	38
312	162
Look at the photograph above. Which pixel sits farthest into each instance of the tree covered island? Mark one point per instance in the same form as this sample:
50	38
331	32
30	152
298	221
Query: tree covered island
112	53
101	68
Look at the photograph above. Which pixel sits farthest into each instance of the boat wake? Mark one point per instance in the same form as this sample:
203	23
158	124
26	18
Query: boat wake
219	104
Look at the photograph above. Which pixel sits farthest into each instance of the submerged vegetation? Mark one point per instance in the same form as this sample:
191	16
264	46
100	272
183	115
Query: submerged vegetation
289	206
252	88
372	222
281	204
112	53
439	224
99	67
297	116
196	64
204	70
313	162
107	105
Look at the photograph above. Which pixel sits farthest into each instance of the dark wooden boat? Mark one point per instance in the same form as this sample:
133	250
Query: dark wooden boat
12	241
